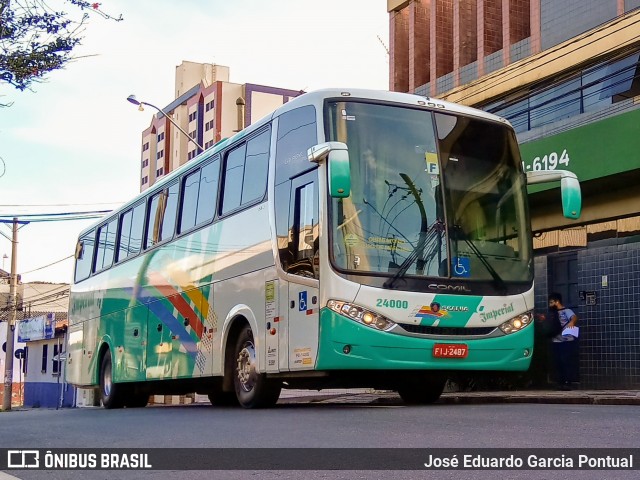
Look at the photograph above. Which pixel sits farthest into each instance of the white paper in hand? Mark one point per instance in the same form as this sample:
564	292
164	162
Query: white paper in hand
573	331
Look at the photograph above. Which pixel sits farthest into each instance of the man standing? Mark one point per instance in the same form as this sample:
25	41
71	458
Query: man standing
564	346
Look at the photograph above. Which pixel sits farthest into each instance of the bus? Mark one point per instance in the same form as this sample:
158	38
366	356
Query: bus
352	238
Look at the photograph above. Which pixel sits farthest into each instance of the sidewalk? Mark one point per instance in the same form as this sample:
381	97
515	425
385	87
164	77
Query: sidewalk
373	397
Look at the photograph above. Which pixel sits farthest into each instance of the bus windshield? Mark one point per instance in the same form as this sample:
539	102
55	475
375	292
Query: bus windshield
432	194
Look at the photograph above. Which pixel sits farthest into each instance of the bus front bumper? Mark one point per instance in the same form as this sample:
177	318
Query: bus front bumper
377	350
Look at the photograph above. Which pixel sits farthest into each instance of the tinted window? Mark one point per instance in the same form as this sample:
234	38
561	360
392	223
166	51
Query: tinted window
208	191
233	179
106	245
125	234
298	243
84	256
256	168
162	215
191	185
137	227
297	132
131	232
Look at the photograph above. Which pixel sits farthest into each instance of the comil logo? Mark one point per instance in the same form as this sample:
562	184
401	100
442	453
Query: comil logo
23	459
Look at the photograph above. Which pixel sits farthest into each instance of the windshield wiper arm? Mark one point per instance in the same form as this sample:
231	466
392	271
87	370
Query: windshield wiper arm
497	279
417	253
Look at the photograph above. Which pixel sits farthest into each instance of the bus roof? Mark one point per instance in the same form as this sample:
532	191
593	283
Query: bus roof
316	98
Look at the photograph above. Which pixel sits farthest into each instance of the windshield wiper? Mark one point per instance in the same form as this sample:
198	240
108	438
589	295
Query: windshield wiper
497	280
431	234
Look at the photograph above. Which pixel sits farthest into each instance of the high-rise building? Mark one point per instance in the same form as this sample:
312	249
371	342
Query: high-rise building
208	108
566	74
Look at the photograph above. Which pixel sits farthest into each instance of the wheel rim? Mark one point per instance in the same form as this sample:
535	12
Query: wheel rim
246	366
106	380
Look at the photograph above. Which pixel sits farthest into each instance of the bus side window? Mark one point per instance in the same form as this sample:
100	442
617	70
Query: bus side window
199	192
162	215
207	197
84	256
190	187
233	175
256	168
106	245
131	224
245	173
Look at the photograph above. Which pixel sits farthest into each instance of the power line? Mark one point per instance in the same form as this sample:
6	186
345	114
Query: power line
56	214
61	219
40	295
59	204
48	265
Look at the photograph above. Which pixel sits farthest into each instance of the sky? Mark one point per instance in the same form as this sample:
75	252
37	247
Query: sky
72	143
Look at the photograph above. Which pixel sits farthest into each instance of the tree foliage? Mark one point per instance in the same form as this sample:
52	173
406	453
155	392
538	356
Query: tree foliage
36	39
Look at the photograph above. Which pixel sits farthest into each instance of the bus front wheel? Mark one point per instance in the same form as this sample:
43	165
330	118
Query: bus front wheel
253	389
421	389
112	394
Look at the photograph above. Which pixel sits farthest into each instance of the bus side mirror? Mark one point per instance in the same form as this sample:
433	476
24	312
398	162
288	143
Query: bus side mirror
569	188
337	155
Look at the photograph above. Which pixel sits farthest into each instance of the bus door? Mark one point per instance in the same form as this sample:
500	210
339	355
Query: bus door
303	306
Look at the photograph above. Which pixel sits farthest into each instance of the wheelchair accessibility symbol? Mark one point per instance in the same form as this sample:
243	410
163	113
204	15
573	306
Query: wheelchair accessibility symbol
302	301
461	267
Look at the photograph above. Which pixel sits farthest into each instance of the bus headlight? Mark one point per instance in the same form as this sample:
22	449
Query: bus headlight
517	323
361	315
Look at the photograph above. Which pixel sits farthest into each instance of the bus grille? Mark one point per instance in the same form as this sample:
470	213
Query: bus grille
448	331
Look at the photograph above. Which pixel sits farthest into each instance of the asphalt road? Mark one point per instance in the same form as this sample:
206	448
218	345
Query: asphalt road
326	425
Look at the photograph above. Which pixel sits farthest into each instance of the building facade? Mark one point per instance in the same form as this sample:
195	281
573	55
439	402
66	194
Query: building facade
45	341
208	108
41	323
566	75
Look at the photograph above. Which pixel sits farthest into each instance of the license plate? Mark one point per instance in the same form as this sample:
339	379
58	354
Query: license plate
445	350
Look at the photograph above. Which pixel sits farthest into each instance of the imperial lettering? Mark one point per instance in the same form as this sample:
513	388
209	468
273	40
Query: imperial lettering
496	312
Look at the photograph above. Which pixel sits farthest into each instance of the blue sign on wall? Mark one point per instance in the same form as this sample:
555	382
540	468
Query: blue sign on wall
302	301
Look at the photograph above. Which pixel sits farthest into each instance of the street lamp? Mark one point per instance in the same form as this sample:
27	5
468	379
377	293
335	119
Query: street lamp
132	99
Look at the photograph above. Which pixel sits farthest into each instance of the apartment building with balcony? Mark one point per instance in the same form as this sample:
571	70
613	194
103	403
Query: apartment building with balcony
208	107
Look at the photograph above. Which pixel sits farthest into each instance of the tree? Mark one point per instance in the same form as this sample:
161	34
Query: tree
35	39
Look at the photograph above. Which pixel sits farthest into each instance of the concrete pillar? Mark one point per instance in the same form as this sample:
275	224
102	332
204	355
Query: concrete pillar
399	50
419	52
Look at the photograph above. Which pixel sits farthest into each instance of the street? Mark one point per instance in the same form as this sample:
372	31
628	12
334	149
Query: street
323	425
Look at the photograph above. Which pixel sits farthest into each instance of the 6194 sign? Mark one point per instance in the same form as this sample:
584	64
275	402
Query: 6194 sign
550	161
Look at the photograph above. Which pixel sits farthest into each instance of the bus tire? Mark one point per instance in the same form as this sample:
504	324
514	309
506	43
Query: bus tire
253	389
112	394
421	389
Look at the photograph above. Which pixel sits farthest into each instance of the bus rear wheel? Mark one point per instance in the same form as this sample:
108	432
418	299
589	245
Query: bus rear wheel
253	389
421	389
113	395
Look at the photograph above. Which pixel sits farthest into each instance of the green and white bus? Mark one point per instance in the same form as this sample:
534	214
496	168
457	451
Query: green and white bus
352	238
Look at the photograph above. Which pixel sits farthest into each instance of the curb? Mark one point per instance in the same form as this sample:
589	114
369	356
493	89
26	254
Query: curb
474	398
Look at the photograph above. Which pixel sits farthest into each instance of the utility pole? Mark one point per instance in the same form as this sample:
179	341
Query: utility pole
11	324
